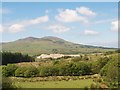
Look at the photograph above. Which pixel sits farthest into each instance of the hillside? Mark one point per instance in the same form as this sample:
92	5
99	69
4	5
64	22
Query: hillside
49	44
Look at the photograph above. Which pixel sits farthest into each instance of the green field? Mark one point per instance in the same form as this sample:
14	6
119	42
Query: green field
55	84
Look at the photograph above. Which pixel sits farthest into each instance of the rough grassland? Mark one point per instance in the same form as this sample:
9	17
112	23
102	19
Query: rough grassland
56	84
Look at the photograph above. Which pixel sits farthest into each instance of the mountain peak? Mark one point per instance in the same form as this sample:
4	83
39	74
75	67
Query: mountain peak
35	46
29	38
49	38
52	38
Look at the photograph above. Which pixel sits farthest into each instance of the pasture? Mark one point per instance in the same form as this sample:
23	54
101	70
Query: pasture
55	84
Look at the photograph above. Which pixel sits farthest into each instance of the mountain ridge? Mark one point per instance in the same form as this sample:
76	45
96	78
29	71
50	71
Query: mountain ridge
47	44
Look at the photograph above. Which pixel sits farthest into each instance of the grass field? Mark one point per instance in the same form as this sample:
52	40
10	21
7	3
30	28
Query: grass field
56	84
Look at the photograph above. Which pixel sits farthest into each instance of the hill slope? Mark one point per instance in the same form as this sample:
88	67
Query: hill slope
36	46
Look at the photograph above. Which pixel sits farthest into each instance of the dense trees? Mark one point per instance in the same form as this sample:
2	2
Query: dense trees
8	57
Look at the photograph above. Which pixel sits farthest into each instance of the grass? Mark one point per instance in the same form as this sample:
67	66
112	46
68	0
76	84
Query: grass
55	84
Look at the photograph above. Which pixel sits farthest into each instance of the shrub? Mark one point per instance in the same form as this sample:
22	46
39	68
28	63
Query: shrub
44	71
110	71
48	71
4	71
76	59
9	70
54	71
55	62
20	72
31	72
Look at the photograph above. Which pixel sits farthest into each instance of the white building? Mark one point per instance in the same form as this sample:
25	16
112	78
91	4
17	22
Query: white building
50	56
55	56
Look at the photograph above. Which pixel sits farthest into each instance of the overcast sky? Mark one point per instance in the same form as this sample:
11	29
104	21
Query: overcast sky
85	23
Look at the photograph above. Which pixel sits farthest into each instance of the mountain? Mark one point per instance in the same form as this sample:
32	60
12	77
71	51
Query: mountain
49	44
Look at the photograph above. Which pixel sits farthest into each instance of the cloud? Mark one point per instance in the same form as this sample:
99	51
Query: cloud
58	28
114	26
103	21
90	32
75	15
1	28
4	11
38	20
69	15
17	27
85	11
105	43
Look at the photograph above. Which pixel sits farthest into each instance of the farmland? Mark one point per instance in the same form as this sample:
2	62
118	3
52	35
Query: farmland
74	72
55	84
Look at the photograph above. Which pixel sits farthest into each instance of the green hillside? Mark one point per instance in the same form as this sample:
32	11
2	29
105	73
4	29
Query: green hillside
36	46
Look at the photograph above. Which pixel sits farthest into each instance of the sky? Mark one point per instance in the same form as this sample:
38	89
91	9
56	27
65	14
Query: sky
60	0
90	23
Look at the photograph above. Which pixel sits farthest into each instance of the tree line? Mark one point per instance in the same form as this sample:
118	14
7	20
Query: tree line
59	68
8	57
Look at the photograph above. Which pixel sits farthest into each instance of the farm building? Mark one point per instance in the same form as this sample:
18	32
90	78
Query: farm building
55	56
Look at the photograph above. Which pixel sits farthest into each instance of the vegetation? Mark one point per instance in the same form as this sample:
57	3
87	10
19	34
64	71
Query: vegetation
66	70
9	70
55	84
7	83
26	72
8	57
110	71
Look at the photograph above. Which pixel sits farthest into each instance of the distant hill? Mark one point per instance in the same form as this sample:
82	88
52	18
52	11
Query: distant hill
49	44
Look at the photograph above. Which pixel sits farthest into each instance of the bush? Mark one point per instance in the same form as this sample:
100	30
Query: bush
110	71
44	71
83	69
9	70
31	72
74	69
48	71
4	71
99	64
20	72
76	59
